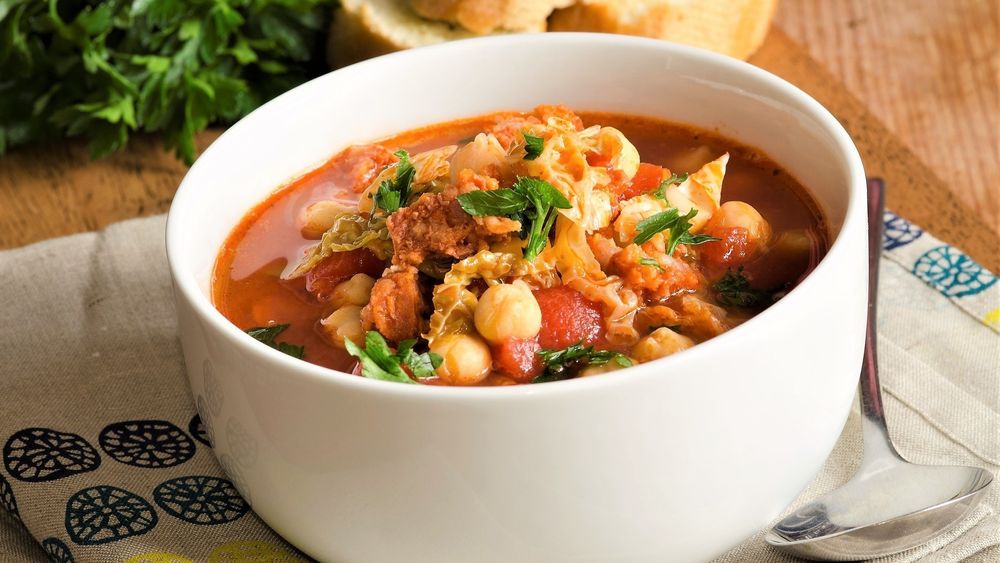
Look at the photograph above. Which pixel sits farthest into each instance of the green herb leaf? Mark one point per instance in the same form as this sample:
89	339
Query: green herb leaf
678	226
734	289
646	229
545	199
167	66
394	194
267	334
378	361
561	364
533	146
661	190
422	365
531	201
651	262
503	202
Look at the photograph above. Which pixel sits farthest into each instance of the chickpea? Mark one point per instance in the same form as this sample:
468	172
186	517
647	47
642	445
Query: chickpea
466	359
739	214
508	311
355	291
660	343
319	217
345	322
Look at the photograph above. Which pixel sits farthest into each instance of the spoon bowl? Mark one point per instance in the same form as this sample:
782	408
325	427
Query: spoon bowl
890	505
882	510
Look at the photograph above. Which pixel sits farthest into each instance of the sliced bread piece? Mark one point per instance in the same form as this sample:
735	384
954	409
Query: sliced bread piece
731	27
367	28
487	16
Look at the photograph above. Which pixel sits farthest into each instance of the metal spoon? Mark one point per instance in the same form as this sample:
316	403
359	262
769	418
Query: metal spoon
890	505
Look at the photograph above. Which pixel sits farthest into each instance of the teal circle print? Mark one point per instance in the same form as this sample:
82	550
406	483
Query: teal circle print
201	500
952	273
57	551
103	514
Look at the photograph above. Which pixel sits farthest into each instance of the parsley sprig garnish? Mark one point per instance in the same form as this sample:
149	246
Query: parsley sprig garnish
267	334
533	146
560	364
734	289
531	201
661	191
378	361
677	226
393	194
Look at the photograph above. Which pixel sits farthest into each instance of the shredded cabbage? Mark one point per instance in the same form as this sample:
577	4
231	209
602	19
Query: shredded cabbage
350	231
563	163
484	154
702	190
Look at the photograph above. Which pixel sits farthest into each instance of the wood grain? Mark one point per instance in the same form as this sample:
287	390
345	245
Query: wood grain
928	69
56	189
912	189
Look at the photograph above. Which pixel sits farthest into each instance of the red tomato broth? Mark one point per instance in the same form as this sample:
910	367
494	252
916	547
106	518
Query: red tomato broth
247	286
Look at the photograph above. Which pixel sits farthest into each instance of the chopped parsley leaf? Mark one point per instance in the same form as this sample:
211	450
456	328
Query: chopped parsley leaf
267	334
651	262
734	289
559	364
661	191
378	361
532	146
531	201
394	194
678	226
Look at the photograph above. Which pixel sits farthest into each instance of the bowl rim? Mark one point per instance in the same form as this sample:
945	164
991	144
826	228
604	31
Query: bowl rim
185	284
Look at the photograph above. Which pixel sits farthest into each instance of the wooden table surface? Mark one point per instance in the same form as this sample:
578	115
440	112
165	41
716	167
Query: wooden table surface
928	69
913	81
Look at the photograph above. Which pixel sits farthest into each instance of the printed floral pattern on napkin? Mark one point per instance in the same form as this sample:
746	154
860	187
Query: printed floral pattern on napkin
945	268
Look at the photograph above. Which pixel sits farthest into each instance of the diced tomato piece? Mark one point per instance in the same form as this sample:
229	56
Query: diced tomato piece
646	179
597	159
568	318
518	359
339	266
734	249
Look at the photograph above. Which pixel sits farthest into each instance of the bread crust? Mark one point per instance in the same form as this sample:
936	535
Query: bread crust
732	27
362	29
488	16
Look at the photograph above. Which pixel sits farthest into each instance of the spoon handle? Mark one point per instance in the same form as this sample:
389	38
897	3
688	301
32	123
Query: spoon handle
876	434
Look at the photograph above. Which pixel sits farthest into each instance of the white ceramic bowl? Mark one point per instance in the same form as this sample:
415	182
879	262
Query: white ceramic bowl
674	460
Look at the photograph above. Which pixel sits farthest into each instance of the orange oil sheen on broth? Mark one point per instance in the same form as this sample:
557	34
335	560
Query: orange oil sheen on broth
247	286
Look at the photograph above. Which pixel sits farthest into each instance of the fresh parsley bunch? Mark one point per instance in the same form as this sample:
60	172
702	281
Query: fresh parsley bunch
106	69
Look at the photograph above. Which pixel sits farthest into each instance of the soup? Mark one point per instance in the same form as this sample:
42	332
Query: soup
518	248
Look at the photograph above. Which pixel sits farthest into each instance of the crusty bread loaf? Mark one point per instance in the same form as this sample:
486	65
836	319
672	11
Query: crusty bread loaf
487	16
363	29
368	28
731	27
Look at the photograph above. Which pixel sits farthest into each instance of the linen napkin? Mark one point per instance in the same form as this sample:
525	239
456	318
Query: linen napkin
105	458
